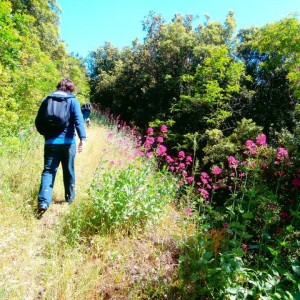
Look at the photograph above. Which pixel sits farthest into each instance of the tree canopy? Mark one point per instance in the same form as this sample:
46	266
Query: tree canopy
33	59
200	77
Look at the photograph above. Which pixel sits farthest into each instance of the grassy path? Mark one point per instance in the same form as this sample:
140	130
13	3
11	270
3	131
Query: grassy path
35	263
26	244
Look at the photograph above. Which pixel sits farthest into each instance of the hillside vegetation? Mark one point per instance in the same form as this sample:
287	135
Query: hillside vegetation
189	185
37	260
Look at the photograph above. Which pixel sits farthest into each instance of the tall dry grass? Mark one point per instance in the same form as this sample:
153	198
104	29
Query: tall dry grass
35	260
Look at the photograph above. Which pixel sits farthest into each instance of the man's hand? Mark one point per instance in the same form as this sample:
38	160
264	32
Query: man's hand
81	145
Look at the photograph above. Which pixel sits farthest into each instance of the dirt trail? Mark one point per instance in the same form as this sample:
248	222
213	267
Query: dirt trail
44	231
38	268
86	163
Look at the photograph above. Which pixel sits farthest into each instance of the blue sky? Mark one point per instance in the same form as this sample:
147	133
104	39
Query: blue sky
88	24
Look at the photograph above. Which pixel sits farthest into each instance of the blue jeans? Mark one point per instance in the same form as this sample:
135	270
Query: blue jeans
53	156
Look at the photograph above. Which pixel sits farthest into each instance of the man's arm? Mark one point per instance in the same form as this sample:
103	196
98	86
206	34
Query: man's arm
79	124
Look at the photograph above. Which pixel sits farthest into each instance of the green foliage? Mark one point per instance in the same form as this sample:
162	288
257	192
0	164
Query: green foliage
122	200
282	38
271	59
248	218
218	147
32	62
201	77
182	74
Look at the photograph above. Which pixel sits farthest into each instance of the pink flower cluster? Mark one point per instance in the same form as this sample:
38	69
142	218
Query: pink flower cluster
204	185
261	140
232	162
252	147
154	146
150	141
282	154
180	164
215	170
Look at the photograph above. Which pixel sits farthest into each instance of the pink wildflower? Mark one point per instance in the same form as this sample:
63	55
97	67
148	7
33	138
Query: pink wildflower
149	154
160	139
285	215
190	179
216	170
279	173
149	141
233	163
169	159
250	145
204	193
163	129
188	160
225	225
296	182
261	140
161	150
181	166
188	211
181	154
244	247
264	165
150	131
282	153
138	152
204	175
184	173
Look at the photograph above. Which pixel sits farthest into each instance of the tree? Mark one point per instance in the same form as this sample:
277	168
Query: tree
32	61
271	54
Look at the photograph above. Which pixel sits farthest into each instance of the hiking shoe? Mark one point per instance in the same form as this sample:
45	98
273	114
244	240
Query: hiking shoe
41	210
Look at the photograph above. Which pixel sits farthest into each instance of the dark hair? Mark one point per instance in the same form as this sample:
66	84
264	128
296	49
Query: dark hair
66	85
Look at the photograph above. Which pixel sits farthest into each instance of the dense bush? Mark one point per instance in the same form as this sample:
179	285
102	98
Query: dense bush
245	208
123	199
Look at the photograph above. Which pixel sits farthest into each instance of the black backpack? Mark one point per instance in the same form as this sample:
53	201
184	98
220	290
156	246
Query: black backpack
57	114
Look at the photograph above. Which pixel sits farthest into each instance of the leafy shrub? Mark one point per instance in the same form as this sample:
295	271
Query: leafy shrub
255	197
122	199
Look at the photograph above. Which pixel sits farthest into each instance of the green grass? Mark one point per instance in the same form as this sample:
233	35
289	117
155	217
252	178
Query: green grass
36	258
124	238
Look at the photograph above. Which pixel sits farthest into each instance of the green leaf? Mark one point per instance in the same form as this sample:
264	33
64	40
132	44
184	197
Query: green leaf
248	215
232	291
273	251
296	269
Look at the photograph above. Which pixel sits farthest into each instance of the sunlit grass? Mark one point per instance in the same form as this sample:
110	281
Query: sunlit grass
36	262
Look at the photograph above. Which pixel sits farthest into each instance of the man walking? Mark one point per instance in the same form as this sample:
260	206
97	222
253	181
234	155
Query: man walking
86	112
57	119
